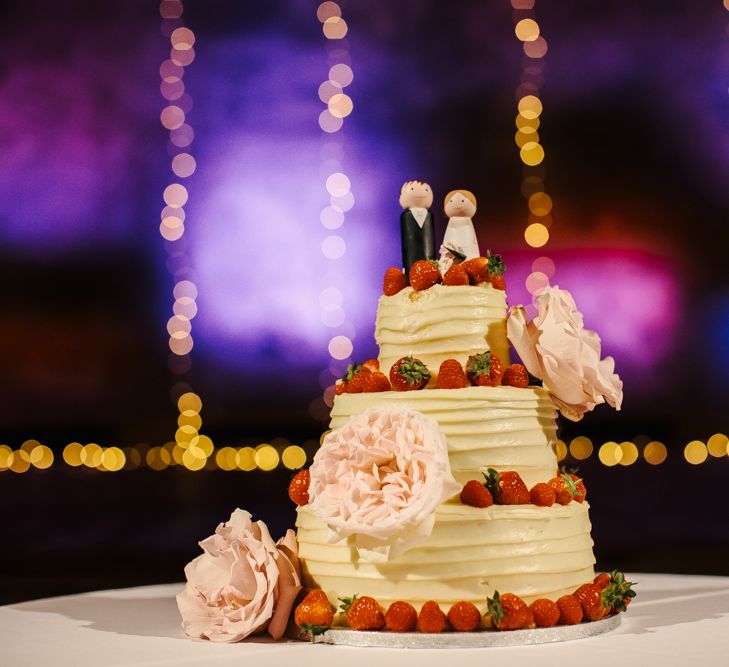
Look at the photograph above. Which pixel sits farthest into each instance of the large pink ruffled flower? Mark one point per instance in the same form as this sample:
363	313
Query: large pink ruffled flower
379	478
556	347
244	582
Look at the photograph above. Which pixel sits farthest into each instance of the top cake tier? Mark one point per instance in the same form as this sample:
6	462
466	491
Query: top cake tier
442	322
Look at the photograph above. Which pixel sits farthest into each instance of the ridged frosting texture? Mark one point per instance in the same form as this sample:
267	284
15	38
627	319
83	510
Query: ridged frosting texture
505	428
443	322
523	549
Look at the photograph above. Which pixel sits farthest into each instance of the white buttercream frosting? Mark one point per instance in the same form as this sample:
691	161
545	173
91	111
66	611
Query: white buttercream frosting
443	322
523	549
505	428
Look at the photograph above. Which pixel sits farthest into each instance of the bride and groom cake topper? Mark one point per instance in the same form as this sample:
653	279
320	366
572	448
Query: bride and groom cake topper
418	232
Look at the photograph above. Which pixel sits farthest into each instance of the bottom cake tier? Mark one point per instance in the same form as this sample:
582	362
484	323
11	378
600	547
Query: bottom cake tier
530	551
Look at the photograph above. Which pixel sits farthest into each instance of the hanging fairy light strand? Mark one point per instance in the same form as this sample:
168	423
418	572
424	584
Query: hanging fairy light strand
191	448
339	105
531	150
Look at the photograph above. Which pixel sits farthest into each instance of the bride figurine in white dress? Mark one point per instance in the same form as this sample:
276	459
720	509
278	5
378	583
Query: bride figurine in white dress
460	242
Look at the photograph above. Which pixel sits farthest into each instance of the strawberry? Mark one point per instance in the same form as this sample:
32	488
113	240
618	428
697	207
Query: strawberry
431	618
476	494
394	281
570	610
424	274
299	487
580	486
484	369
509	612
451	375
354	379
602	580
507	487
590	598
408	374
340	387
477	270
376	382
618	593
363	613
542	495
401	617
516	376
314	611
456	275
497	282
564	488
464	616
545	612
371	365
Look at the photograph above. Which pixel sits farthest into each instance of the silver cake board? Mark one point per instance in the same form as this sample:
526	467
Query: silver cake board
484	639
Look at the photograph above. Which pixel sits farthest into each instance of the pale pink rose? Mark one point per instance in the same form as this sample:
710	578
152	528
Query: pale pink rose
244	582
556	347
379	478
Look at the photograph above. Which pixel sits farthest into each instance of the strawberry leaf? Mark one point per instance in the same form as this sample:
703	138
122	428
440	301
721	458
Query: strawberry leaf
346	603
496	264
312	630
494	609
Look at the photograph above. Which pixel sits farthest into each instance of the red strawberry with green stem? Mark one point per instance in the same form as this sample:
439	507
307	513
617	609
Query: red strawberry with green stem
507	487
424	274
509	612
314	614
590	598
618	593
409	374
484	369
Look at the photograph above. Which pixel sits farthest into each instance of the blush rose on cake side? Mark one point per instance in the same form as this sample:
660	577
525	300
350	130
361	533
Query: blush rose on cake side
379	478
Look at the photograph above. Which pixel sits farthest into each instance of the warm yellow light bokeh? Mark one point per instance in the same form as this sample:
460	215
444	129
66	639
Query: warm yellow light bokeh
531	153
536	235
629	453
527	30
246	458
655	453
560	449
695	452
266	457
718	444
189	401
530	106
610	453
581	448
293	457
540	203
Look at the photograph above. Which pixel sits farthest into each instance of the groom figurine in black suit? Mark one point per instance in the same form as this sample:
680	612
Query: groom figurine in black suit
416	223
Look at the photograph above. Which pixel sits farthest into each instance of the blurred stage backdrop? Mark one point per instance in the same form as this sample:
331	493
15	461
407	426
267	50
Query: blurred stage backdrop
198	204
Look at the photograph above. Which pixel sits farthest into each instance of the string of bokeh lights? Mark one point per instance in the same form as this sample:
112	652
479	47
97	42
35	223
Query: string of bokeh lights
196	448
531	151
32	455
339	106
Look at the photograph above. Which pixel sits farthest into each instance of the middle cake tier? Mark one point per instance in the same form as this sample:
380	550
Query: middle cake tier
506	428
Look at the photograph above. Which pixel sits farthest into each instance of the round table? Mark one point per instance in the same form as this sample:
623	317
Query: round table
675	620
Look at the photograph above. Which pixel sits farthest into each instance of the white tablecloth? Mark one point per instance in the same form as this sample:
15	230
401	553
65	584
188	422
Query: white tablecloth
675	620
